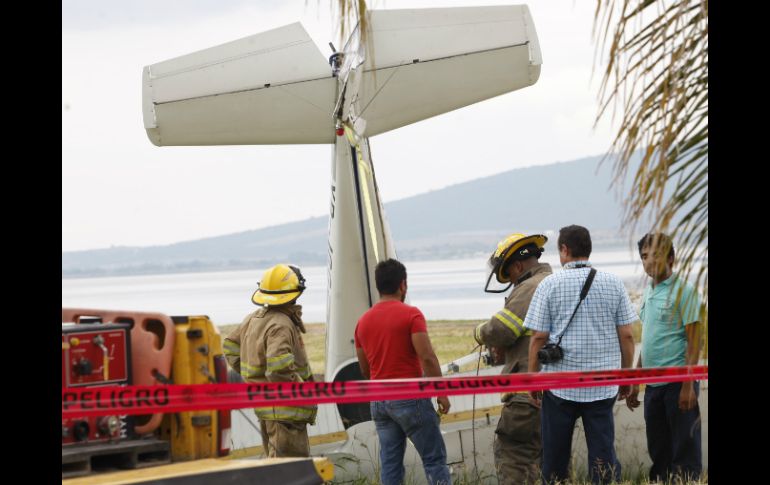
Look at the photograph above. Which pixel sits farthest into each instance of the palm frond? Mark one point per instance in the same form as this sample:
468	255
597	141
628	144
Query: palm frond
351	13
656	79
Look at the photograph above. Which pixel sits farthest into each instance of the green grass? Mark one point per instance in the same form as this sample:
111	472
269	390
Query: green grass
468	477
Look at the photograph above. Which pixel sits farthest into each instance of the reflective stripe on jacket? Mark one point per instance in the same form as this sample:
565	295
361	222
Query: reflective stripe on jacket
267	347
506	328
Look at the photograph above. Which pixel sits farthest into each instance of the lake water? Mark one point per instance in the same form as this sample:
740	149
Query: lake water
443	289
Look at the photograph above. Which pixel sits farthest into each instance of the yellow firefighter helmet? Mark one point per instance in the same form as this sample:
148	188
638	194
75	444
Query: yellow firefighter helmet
514	247
280	284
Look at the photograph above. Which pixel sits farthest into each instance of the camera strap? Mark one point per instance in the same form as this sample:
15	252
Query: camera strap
583	293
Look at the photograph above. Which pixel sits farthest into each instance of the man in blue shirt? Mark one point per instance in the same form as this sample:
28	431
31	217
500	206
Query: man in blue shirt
598	337
670	337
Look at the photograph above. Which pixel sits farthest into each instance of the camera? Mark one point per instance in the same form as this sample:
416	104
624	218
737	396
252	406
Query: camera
550	353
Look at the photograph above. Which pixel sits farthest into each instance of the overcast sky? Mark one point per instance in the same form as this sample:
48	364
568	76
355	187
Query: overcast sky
119	189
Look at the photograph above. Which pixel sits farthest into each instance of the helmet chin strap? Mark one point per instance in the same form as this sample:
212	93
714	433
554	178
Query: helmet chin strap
488	290
300	278
522	253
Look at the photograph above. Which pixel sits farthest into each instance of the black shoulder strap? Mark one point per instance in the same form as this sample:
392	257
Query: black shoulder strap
583	294
587	285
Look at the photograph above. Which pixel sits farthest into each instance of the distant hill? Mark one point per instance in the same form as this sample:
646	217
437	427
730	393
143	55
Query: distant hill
455	221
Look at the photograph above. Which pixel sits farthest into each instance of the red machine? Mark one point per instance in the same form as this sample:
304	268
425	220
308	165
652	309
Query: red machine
95	354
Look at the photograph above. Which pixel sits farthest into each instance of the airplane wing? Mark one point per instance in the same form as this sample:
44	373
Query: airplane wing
424	62
271	88
277	88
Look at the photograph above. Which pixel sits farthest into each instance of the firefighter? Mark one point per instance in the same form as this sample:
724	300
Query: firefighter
517	447
267	347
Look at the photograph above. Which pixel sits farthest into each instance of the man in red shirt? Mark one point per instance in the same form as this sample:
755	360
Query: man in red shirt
392	343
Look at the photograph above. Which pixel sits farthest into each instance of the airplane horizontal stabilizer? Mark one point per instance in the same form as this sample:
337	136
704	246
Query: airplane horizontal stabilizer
421	63
271	88
277	88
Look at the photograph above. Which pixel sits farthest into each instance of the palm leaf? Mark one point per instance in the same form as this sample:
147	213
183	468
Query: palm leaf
656	78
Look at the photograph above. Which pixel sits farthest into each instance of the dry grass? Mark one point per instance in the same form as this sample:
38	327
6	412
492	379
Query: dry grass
451	340
315	346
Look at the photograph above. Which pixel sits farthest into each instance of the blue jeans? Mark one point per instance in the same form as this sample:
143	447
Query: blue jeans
673	436
557	424
416	419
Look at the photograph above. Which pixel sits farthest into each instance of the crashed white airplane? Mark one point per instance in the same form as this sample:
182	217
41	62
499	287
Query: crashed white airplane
277	88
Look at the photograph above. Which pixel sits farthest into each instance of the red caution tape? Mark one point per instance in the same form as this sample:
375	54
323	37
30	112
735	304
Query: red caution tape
98	401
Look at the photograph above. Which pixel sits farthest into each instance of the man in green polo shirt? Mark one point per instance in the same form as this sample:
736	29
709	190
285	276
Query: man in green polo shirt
671	333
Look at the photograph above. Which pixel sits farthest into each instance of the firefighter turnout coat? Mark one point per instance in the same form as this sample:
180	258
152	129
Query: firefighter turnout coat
267	347
506	330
